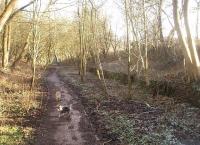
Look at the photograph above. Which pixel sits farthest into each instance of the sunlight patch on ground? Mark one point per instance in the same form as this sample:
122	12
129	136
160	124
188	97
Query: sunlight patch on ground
14	135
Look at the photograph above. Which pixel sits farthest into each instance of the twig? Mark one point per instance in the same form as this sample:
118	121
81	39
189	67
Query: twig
149	106
107	142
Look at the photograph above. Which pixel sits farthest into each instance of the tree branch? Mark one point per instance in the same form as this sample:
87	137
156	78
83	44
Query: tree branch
7	13
20	9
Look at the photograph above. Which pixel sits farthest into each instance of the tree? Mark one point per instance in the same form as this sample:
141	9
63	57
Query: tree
6	43
96	52
106	38
7	34
197	23
145	43
191	55
161	37
7	13
35	38
82	37
128	47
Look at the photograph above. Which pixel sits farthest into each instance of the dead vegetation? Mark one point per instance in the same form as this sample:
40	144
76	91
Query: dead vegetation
139	82
20	107
143	119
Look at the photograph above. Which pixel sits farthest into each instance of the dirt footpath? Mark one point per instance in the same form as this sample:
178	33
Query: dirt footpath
75	130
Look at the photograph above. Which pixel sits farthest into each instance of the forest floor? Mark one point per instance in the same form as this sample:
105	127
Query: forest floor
31	117
20	107
142	119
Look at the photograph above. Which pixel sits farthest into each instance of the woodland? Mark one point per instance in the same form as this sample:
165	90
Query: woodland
141	87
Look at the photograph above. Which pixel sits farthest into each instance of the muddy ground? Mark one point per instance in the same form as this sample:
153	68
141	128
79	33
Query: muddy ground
74	129
143	119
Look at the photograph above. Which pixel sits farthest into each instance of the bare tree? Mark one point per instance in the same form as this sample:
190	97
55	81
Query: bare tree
82	39
96	52
197	23
7	34
115	44
6	43
145	43
35	38
7	13
106	38
128	47
191	55
160	22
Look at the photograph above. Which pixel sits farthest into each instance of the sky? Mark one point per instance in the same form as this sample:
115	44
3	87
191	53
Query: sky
114	14
110	9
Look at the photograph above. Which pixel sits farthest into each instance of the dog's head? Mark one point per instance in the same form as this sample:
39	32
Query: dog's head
60	107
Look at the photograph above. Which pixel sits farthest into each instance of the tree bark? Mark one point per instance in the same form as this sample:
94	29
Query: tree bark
6	43
6	46
99	68
192	60
191	45
179	31
21	55
197	23
80	45
145	45
160	22
7	13
128	49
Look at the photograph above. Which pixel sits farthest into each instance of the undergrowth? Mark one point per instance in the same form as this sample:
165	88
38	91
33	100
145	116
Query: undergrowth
158	124
123	127
128	131
18	104
15	135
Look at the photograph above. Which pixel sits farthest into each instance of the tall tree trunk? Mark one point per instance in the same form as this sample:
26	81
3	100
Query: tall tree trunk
21	55
96	52
191	45
160	22
197	23
6	46
35	39
128	49
6	43
82	40
191	57
7	13
145	44
179	31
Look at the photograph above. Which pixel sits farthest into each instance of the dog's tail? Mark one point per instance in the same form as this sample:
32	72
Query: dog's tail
70	106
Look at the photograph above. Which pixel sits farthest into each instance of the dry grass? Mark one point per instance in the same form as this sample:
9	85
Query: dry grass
17	104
